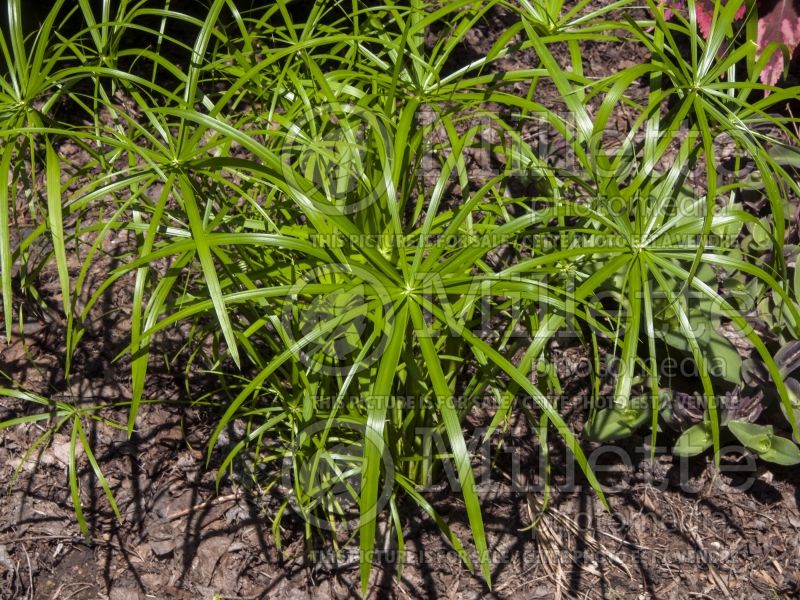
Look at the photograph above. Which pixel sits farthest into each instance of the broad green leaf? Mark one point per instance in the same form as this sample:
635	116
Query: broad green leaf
695	440
72	474
617	423
374	445
6	199
455	436
762	440
56	223
200	238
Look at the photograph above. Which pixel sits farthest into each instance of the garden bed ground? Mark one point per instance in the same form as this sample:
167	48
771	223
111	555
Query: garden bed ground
676	530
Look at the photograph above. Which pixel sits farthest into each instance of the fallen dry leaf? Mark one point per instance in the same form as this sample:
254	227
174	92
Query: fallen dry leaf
780	25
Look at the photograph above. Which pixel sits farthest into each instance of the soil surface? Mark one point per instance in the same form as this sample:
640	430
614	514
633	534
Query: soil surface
674	529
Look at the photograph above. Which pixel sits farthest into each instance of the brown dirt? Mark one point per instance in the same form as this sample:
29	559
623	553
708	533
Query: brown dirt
675	529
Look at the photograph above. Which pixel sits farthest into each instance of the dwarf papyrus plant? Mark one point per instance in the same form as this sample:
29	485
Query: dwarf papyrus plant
321	223
45	69
302	190
665	220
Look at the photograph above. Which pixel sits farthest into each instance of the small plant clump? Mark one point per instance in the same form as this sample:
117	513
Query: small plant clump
299	190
